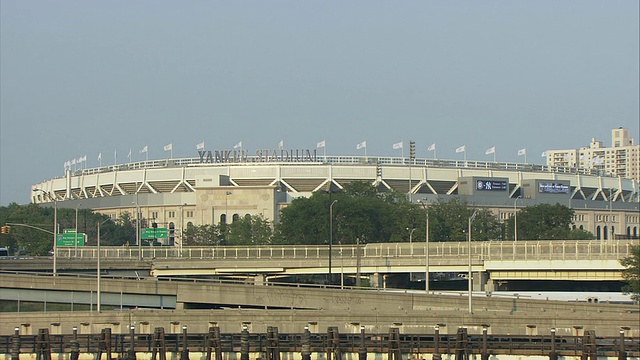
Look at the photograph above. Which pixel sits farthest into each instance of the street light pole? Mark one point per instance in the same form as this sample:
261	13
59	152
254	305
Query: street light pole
515	219
611	213
469	279
138	240
55	229
99	285
226	207
331	237
426	246
411	235
76	242
98	300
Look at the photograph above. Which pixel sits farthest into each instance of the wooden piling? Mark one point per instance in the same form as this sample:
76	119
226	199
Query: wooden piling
333	344
43	346
214	343
74	345
184	354
462	345
589	350
362	350
306	344
244	344
159	345
622	354
15	345
104	344
394	352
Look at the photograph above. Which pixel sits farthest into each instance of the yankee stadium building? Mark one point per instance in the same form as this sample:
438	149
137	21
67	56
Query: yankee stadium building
225	185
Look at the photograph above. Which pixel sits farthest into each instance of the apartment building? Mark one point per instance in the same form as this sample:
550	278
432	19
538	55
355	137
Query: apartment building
621	159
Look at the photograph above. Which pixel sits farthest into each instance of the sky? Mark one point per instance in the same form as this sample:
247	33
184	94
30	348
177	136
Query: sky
88	77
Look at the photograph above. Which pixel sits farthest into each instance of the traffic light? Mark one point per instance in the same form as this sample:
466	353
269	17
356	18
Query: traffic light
412	149
378	170
5	229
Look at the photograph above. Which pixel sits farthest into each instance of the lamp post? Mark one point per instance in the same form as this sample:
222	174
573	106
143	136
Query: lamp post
331	237
99	285
515	219
76	241
411	235
55	229
226	206
426	246
181	227
611	213
138	240
469	280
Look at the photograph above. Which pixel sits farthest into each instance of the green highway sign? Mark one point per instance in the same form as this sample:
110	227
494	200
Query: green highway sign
69	239
154	233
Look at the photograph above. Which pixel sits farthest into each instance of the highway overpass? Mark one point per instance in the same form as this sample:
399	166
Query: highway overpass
496	262
294	306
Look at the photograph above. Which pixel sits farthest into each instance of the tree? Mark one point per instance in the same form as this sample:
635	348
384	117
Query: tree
449	221
631	273
542	222
250	230
202	235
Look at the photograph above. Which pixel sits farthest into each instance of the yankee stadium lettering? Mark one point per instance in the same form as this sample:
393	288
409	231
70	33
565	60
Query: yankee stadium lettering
265	155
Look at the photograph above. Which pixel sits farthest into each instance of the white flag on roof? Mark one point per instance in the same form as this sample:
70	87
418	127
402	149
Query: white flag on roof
522	151
321	144
461	149
238	145
544	154
144	149
281	144
100	157
200	146
490	150
361	145
431	147
168	147
397	146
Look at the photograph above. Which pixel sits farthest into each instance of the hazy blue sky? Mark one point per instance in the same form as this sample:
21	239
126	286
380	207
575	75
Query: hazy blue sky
88	77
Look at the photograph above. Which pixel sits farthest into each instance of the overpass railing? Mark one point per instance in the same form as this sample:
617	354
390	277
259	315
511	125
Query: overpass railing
480	250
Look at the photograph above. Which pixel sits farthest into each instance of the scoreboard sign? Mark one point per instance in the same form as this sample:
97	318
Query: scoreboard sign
553	188
491	185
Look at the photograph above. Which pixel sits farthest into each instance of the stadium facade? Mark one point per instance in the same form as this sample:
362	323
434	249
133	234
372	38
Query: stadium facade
225	185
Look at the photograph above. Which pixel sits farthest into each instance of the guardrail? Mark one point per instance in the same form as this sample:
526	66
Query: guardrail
480	250
356	160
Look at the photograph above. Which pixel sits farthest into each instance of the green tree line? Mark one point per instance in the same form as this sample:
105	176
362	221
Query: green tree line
360	213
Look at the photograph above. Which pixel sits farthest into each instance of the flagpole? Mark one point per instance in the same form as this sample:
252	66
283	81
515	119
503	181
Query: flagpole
494	156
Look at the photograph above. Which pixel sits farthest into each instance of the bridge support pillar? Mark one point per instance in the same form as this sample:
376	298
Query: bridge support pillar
483	282
377	280
260	279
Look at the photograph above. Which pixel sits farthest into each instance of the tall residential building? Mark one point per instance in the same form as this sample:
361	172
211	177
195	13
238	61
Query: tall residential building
621	159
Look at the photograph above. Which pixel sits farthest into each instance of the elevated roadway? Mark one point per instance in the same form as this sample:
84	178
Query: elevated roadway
498	261
299	305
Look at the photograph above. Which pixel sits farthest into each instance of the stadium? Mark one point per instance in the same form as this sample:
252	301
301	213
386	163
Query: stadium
224	185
